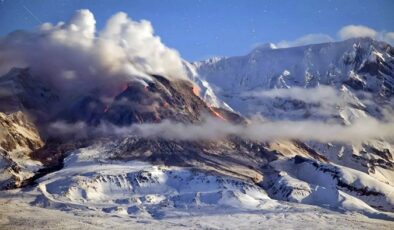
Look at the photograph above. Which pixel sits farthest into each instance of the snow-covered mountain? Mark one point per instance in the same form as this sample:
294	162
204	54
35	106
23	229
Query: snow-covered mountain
359	64
350	66
343	81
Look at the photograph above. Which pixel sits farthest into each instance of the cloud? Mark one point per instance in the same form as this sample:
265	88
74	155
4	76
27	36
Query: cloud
320	94
359	31
325	98
78	130
214	129
305	40
388	37
346	32
74	58
355	31
320	100
322	103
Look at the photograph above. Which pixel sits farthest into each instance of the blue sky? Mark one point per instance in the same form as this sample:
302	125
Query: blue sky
200	29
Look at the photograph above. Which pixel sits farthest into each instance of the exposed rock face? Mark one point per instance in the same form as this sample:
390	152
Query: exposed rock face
143	101
18	132
155	101
18	138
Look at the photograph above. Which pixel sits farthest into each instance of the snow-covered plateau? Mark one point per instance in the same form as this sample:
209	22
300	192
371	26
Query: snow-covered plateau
92	192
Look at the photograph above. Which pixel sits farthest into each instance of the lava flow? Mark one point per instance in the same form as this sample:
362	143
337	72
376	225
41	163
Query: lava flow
218	115
196	90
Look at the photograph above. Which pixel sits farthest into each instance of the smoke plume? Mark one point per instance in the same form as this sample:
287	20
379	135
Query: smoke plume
74	57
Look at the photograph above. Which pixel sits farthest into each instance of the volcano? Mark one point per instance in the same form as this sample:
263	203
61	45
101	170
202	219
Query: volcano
84	151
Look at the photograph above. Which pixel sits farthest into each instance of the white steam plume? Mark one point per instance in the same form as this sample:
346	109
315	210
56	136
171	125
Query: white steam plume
74	57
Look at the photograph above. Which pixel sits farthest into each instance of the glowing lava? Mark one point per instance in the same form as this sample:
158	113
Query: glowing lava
196	90
218	115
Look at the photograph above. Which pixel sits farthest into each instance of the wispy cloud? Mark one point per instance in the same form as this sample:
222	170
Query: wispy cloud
213	129
321	100
305	40
354	31
320	94
346	32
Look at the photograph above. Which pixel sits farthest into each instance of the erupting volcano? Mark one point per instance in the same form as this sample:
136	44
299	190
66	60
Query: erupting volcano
102	126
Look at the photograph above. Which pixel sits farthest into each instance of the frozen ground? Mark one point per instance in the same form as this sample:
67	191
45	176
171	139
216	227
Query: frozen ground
17	213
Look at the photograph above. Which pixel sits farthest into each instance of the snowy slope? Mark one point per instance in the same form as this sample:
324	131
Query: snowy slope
307	181
18	213
89	180
205	90
92	191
